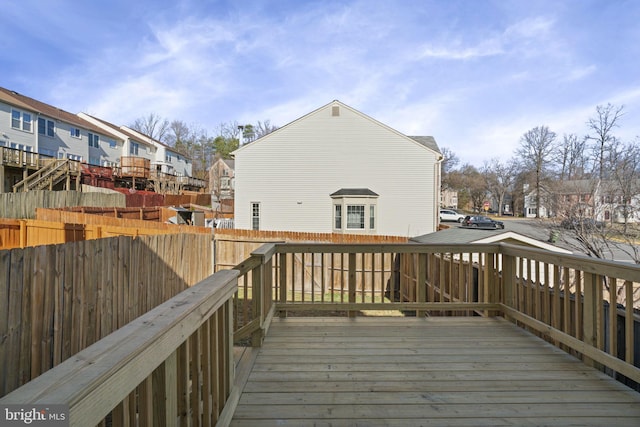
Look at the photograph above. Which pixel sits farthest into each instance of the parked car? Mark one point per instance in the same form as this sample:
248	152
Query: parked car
478	221
582	224
450	215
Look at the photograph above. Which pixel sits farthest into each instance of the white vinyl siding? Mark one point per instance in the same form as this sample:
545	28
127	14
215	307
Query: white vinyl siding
294	170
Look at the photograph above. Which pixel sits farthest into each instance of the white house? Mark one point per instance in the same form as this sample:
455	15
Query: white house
336	170
221	179
164	158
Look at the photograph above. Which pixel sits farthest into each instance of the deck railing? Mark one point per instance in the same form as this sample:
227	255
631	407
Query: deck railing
171	365
175	362
583	305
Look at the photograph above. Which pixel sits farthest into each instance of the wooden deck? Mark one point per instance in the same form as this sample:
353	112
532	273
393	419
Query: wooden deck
371	371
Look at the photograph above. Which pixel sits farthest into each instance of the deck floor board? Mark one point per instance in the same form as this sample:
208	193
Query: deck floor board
435	371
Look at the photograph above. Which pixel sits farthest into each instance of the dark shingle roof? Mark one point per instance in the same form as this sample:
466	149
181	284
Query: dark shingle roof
427	141
456	235
354	192
47	110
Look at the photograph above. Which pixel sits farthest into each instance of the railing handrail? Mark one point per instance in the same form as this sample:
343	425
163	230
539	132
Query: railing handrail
386	248
96	379
585	263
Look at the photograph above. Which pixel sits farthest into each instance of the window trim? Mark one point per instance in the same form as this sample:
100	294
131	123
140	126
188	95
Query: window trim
48	127
356	217
22	124
94	140
337	216
255	215
345	202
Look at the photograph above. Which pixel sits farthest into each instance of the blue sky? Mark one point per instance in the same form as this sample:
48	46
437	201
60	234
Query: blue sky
474	74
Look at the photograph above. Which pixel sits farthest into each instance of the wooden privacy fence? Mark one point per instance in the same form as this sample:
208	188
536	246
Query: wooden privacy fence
23	205
31	232
232	246
56	300
87	218
143	213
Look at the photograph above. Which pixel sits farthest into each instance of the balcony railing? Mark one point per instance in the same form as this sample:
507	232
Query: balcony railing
174	364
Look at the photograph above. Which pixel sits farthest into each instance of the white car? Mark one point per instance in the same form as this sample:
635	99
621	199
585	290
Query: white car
450	215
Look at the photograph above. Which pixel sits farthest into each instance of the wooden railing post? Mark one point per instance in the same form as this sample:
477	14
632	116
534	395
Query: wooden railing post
589	323
421	283
509	280
282	286
491	282
257	276
352	282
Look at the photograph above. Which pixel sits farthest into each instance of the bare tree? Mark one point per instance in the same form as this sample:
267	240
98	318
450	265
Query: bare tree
570	157
499	179
536	148
264	128
626	181
181	137
471	189
601	127
449	162
153	126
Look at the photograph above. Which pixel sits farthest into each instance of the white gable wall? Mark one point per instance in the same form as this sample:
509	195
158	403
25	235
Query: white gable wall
293	171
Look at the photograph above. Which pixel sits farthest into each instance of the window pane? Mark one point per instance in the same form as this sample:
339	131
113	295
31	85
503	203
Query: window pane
372	217
355	216
15	119
255	216
42	125
338	217
26	122
50	128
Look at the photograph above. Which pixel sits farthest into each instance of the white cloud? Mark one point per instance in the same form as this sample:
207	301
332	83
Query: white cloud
491	47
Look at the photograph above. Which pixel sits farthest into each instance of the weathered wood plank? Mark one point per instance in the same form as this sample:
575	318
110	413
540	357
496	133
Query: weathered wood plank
441	422
428	409
441	397
426	385
5	285
449	371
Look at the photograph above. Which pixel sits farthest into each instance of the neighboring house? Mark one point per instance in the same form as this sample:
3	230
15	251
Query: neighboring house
338	170
33	126
530	203
449	199
221	179
600	200
133	144
162	158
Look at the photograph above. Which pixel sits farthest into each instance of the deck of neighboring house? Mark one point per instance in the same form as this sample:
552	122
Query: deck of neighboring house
382	371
